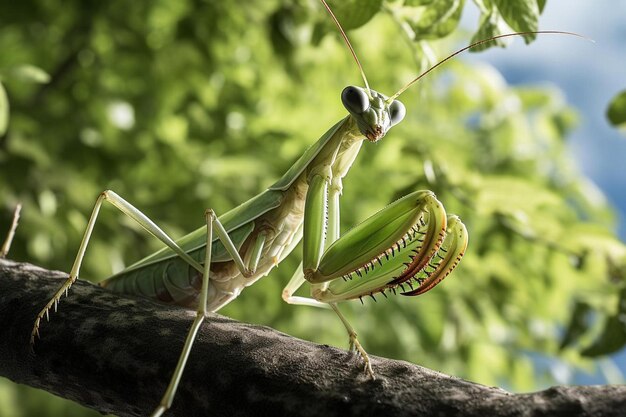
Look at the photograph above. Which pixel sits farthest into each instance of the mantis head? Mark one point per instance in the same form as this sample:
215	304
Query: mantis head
373	112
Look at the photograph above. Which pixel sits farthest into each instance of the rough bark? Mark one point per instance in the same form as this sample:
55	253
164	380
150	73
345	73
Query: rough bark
115	354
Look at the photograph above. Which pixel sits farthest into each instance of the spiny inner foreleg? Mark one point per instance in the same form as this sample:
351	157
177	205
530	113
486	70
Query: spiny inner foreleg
410	242
406	267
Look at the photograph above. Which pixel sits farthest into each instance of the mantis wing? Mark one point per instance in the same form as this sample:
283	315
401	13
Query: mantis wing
238	222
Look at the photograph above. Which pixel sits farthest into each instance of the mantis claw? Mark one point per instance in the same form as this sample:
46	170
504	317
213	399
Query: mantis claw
355	346
367	364
53	303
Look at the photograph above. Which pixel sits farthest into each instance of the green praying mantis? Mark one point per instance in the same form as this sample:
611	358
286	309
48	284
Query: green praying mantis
411	242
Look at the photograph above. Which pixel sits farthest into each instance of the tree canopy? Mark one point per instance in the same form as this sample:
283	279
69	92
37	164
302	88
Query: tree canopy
183	105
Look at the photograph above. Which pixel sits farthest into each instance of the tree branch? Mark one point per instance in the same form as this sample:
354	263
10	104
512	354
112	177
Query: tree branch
116	354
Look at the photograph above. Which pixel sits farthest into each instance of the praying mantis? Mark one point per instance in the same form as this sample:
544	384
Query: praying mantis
412	241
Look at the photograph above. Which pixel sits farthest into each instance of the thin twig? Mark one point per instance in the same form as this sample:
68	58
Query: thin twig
9	239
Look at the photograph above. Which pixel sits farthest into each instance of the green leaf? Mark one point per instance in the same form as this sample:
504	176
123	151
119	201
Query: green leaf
436	20
415	3
613	337
485	6
541	4
488	29
578	324
28	73
4	111
353	14
507	194
616	112
521	15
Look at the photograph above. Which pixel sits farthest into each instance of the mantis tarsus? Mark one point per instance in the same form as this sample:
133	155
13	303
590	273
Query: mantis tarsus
410	242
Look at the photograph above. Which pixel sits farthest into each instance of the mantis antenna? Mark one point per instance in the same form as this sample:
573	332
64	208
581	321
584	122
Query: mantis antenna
539	32
345	38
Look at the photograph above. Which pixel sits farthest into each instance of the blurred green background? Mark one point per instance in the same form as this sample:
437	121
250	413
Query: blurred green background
183	105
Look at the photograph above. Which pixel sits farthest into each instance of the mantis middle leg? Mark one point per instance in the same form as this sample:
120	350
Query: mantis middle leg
213	224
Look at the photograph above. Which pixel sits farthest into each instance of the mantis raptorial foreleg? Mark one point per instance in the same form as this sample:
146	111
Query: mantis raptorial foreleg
410	241
323	194
332	234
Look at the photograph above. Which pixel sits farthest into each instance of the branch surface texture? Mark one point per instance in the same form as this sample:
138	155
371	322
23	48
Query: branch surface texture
116	354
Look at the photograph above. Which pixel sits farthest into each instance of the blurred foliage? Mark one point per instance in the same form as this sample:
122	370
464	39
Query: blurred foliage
616	112
183	105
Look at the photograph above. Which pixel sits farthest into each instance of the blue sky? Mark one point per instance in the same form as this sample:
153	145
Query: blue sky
589	74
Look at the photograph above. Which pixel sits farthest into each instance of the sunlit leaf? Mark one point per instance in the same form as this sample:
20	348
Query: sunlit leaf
488	29
521	15
435	20
613	337
353	14
541	4
513	194
418	2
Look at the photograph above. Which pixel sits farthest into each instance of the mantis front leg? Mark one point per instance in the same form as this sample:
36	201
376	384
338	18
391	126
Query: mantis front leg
324	193
410	242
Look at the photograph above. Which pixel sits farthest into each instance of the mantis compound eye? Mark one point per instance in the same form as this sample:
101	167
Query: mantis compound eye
355	100
397	111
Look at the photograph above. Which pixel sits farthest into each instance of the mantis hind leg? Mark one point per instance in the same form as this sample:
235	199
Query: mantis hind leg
152	228
128	209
